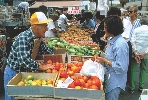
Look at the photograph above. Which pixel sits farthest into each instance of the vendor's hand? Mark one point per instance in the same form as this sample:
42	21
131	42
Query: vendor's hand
45	66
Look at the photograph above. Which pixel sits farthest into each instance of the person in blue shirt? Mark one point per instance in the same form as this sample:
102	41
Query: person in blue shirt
116	58
21	57
90	23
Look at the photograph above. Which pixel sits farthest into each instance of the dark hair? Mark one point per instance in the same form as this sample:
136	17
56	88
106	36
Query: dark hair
98	16
114	11
114	25
88	15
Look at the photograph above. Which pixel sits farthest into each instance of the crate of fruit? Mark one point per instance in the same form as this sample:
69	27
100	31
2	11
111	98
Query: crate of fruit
78	87
32	84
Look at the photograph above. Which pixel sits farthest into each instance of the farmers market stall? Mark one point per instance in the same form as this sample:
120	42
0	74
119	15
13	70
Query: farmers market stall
66	78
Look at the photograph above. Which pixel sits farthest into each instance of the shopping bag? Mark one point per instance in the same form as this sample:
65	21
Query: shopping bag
92	68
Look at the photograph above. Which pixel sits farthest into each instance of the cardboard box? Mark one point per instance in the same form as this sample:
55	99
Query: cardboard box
59	50
46	91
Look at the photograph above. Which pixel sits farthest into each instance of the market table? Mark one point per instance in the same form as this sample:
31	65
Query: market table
50	98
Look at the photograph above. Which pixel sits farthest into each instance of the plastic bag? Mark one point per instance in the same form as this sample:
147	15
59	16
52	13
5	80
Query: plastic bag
91	68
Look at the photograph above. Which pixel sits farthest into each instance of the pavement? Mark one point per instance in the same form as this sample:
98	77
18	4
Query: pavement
124	95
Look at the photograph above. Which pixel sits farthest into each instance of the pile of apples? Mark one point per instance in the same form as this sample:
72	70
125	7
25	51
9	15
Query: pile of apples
57	67
74	67
80	81
86	82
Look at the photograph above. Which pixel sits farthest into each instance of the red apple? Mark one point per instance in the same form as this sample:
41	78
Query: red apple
63	74
86	85
85	78
69	64
82	82
89	82
70	73
77	82
94	87
74	69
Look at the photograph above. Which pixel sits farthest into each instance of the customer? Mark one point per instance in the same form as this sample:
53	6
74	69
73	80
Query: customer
90	23
99	30
140	49
22	54
126	35
114	11
116	58
134	23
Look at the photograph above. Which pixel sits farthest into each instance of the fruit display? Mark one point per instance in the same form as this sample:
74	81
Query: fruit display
86	82
57	42
31	81
76	34
56	67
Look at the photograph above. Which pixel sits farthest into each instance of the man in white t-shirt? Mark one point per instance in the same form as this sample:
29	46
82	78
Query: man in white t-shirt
62	21
51	29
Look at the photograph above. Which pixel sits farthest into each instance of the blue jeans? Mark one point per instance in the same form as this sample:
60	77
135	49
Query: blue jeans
8	75
113	94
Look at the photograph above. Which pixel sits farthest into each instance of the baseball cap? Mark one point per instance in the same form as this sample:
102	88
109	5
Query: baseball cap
39	18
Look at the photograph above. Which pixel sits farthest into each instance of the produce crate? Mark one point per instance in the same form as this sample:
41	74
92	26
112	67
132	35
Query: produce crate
40	91
74	58
94	47
72	93
144	95
84	58
59	50
66	93
54	58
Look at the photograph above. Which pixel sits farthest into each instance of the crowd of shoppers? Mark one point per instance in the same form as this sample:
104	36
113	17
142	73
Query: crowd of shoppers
136	51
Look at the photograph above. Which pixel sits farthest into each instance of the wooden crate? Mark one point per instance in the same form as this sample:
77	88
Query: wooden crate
40	91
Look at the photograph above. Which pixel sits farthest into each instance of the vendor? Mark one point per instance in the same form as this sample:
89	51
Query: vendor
52	31
62	21
25	48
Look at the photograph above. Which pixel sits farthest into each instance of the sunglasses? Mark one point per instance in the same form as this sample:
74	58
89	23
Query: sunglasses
130	11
